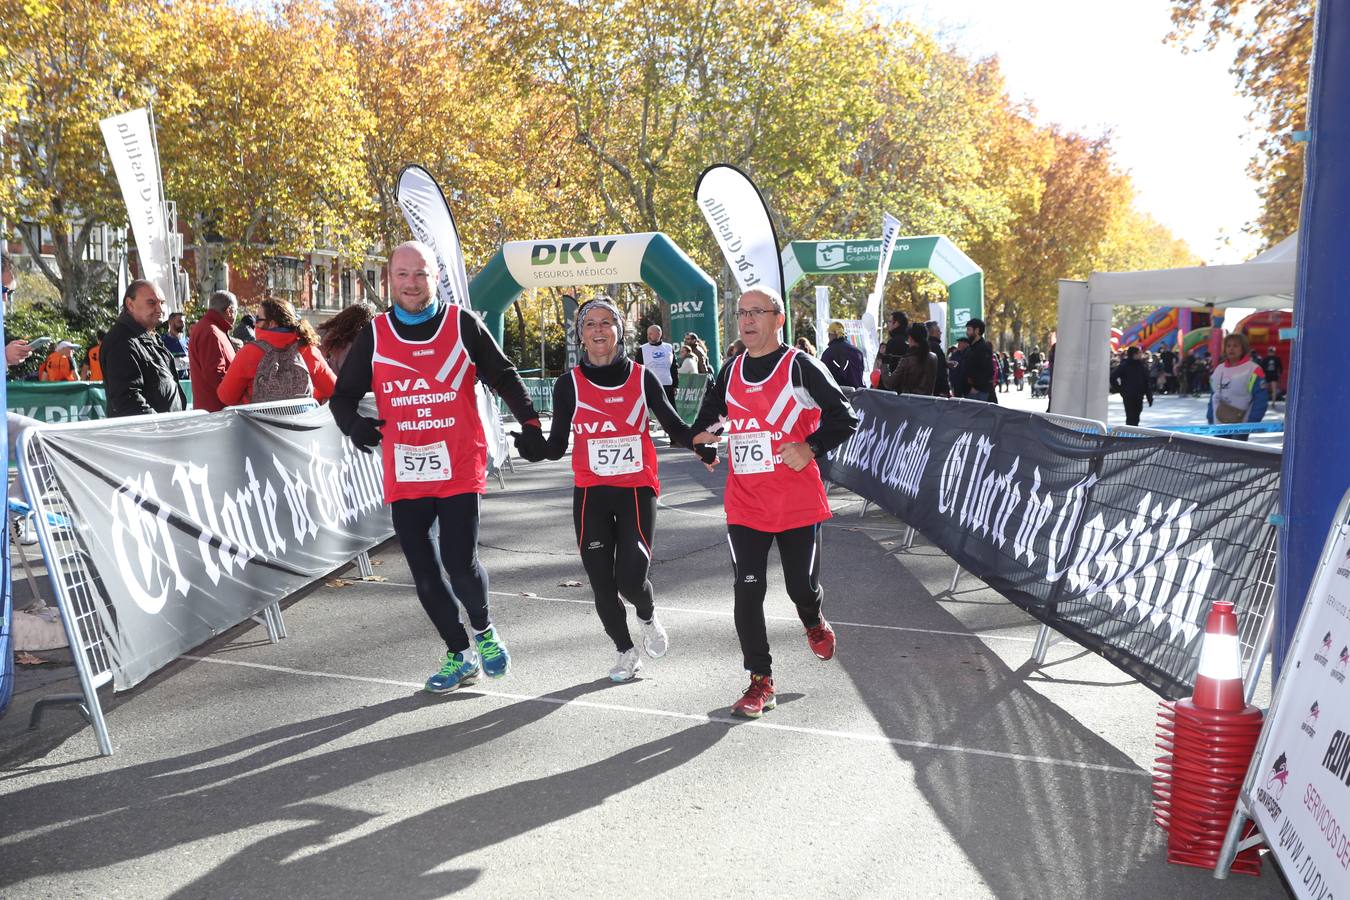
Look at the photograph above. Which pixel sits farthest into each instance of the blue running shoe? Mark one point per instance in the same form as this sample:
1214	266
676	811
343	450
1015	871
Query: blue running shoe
493	654
458	671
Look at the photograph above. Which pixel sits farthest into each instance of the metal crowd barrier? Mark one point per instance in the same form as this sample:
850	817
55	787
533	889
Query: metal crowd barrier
1256	627
71	576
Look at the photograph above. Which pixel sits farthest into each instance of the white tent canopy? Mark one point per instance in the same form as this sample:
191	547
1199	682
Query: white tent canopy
1082	362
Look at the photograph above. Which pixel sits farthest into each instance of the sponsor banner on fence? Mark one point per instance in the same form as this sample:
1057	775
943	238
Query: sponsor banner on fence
65	401
58	401
689	396
1298	788
191	525
1120	543
541	394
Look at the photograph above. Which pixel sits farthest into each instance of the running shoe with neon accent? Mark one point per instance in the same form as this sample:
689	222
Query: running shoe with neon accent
821	640
654	638
757	699
493	653
457	672
627	666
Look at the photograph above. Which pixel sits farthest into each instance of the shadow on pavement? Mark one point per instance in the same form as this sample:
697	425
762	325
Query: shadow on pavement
86	823
400	857
1031	829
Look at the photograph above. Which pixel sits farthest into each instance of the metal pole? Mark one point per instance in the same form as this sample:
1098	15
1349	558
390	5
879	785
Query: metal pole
955	576
179	302
1042	645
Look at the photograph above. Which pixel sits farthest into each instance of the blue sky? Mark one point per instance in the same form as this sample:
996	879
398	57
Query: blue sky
1179	125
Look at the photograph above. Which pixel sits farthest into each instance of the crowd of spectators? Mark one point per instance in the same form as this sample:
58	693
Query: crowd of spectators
147	354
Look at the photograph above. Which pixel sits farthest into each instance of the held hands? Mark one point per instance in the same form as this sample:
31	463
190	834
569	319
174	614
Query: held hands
366	433
705	445
530	442
796	456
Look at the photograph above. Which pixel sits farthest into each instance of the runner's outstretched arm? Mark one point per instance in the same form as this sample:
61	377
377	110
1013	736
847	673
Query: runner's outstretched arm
564	405
657	401
494	369
714	407
837	419
353	381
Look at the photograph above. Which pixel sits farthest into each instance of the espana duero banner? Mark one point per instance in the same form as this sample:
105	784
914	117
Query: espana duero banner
1120	543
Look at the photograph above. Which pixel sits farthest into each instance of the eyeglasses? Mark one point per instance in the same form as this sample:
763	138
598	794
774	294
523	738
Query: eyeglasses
753	313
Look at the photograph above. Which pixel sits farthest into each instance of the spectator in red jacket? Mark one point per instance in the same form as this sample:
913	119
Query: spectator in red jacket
210	351
277	324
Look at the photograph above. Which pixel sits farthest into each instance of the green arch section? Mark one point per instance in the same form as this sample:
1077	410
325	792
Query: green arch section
927	253
650	258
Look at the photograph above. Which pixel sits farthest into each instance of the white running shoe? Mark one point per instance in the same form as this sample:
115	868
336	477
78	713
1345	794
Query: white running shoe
654	638
627	666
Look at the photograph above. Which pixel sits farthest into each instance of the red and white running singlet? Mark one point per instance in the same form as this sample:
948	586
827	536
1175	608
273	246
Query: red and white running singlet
611	443
762	492
424	390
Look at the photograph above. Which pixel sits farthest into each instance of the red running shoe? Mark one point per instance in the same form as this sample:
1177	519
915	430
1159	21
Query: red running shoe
821	640
757	699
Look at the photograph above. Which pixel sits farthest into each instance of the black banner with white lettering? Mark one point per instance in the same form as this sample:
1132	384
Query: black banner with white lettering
193	524
1120	543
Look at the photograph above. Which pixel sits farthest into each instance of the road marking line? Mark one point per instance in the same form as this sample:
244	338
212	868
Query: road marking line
696	717
724	613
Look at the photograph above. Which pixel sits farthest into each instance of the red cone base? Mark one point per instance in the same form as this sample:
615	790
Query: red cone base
1206	752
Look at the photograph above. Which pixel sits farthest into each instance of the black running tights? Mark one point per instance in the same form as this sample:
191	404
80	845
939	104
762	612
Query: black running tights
799	551
458	518
614	528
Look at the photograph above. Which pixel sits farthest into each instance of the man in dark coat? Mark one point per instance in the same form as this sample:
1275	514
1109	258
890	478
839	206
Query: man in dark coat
843	360
138	370
942	386
977	366
1132	381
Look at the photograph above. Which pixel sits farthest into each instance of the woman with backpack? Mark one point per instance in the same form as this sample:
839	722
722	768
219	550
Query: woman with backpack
281	363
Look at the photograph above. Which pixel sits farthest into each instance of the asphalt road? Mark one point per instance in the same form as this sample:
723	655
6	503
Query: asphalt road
930	757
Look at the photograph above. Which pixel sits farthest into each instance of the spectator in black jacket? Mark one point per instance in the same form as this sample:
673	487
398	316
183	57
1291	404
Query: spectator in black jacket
897	342
1131	378
843	360
942	386
917	370
977	366
138	370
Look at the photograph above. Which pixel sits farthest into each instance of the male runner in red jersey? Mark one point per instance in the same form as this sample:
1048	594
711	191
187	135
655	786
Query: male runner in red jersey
782	410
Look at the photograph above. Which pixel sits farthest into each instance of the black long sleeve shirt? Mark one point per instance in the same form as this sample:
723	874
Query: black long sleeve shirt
611	376
494	369
837	420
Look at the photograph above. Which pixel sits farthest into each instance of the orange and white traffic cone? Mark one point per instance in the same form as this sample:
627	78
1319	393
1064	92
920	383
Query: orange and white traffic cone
1218	681
1208	743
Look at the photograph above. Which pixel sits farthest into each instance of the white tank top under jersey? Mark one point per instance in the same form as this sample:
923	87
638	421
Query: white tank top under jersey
656	358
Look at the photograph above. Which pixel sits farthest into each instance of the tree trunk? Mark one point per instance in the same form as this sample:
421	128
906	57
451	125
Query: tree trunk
520	324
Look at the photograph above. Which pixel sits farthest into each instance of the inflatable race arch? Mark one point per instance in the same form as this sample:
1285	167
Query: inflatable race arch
651	258
929	253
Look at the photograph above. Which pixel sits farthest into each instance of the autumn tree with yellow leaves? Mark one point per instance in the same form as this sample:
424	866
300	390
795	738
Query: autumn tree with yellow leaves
283	129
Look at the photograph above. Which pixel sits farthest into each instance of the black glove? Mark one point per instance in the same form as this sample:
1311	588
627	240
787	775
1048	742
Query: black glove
531	443
366	433
707	453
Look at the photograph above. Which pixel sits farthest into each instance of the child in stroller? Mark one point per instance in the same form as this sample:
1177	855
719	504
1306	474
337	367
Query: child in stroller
1040	382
